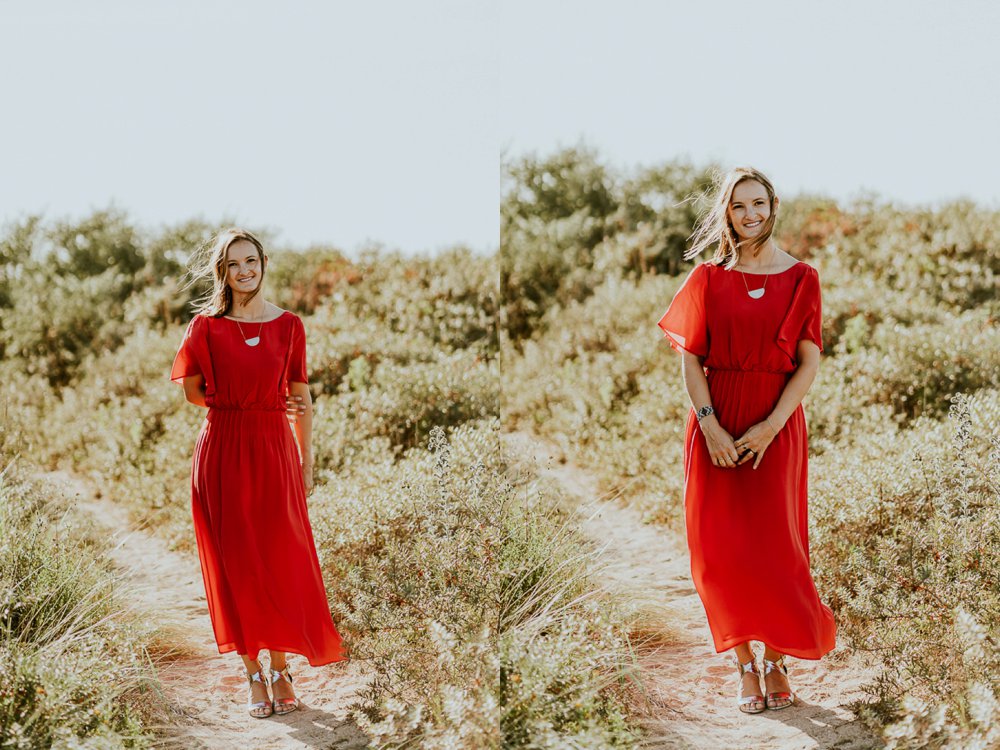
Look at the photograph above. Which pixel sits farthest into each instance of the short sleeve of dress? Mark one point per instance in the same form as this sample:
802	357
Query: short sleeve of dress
685	323
297	372
804	319
192	357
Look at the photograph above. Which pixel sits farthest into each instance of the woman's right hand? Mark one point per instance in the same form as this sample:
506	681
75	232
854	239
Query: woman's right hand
721	446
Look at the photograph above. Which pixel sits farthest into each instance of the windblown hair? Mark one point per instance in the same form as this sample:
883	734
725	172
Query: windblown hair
716	229
213	265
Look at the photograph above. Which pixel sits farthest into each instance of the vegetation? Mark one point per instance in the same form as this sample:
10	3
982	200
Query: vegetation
902	417
455	574
445	575
74	666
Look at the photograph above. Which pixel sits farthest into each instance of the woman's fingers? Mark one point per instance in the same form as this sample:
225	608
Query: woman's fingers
294	406
759	457
732	454
724	460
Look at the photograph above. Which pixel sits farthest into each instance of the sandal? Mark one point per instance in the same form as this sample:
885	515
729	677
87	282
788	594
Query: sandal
283	705
774	700
260	709
749	704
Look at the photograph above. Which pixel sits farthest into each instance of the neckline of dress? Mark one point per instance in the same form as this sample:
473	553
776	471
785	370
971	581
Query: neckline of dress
256	322
796	264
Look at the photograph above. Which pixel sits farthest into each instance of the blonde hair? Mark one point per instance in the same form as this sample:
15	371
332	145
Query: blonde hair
214	265
716	228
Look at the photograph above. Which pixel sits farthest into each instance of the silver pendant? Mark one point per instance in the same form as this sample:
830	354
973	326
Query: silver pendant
252	342
756	293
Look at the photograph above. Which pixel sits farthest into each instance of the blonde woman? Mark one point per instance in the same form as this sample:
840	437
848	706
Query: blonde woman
244	359
747	324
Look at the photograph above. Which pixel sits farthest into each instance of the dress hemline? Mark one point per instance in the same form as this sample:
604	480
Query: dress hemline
807	654
226	648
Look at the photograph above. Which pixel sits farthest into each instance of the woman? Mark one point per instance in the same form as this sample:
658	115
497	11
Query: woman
747	324
245	360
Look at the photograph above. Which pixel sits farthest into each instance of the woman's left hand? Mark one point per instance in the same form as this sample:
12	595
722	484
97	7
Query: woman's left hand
294	407
753	442
307	477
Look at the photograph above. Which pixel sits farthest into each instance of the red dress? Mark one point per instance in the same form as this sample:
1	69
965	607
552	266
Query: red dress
747	529
248	501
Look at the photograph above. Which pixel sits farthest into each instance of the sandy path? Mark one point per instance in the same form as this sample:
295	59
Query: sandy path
205	691
691	690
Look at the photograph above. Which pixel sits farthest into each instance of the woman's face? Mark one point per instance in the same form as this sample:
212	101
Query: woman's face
749	208
243	266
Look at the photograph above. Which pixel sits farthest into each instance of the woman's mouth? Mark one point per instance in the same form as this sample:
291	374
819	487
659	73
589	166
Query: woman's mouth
243	280
752	224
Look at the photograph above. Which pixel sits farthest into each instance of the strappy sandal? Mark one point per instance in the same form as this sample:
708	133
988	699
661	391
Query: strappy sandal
749	704
774	700
260	709
283	705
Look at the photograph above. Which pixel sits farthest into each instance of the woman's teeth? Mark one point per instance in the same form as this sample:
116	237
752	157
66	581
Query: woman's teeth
752	224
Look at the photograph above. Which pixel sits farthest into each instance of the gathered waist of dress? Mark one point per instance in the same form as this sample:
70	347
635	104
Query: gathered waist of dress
749	371
240	408
245	418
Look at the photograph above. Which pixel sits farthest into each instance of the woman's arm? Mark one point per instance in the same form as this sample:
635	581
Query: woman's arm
303	428
194	389
720	443
798	385
760	435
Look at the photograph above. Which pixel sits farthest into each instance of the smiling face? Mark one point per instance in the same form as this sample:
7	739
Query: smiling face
749	209
243	266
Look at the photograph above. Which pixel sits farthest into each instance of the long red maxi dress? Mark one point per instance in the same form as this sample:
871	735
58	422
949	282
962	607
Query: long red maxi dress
248	502
747	529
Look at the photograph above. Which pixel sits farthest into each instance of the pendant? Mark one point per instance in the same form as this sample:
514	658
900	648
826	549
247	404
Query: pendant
756	293
252	342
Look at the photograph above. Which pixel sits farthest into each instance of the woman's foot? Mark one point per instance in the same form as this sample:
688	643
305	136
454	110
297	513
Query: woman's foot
258	701
779	692
751	701
281	688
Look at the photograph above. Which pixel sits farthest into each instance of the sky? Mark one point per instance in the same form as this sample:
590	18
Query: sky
341	123
350	123
886	96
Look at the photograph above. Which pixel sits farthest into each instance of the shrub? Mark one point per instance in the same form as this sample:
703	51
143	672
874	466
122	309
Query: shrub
907	529
61	622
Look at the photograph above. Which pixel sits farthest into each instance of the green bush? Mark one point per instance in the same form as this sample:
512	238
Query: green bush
904	516
62	621
905	540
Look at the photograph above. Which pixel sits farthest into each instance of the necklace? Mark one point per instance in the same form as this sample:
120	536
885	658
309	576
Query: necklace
256	339
755	293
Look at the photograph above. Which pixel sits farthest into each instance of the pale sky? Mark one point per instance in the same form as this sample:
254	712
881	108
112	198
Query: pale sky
354	122
335	122
900	97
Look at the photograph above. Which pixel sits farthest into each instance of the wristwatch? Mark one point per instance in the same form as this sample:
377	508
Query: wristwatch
704	412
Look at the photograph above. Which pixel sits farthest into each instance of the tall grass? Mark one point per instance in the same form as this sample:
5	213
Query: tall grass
74	671
424	541
902	416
